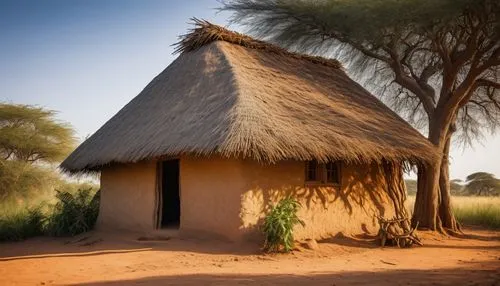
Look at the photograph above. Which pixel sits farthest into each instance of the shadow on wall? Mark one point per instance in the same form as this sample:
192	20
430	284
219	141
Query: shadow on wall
453	276
325	209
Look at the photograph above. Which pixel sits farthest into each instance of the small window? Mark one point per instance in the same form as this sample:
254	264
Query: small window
328	173
312	171
332	173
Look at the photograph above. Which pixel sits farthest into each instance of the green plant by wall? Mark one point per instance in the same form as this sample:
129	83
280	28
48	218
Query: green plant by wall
278	225
74	213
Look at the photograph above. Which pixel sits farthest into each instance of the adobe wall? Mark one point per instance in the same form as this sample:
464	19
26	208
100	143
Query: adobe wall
210	197
229	198
128	197
326	210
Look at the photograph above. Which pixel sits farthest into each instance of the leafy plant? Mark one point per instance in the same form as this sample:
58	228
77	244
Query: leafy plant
74	213
22	224
278	225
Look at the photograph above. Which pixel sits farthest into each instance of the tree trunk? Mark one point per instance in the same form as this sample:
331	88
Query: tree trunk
427	201
445	211
433	202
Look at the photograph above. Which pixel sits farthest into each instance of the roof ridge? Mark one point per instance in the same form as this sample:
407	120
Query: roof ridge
205	33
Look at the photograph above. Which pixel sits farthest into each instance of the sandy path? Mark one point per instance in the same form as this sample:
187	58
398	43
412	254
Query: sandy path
124	261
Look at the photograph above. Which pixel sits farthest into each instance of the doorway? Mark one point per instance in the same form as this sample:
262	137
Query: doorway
171	205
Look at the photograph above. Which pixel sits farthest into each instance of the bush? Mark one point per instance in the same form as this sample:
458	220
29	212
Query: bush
20	180
278	225
22	224
74	213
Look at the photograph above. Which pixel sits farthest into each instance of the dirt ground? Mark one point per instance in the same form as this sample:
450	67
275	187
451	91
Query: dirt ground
120	259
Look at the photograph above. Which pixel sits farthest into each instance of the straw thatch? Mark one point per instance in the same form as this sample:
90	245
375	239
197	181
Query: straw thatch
231	95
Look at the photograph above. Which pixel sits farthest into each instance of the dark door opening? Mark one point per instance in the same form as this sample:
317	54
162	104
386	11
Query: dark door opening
171	206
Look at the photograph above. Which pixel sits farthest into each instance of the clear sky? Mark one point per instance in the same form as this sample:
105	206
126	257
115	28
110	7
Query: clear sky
87	59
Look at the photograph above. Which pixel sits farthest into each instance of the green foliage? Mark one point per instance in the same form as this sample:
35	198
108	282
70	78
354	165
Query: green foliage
354	20
32	134
20	179
74	213
482	184
21	224
31	139
278	225
71	214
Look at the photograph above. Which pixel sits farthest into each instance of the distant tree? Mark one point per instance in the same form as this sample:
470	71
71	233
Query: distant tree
456	186
30	138
437	62
32	134
482	184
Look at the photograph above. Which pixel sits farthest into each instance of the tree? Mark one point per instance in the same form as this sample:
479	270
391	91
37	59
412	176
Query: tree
482	184
436	62
456	186
31	134
30	138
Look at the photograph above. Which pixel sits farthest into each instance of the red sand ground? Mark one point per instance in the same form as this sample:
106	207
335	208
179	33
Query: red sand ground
119	259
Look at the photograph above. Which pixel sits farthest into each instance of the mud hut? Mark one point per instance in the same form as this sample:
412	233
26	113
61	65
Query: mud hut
233	125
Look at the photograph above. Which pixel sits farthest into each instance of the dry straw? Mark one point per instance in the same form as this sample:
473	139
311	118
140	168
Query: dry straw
232	96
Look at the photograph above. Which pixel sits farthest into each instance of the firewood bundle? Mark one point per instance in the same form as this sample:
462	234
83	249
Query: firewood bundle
397	231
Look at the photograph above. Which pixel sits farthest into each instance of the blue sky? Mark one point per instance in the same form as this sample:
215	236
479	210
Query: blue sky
87	59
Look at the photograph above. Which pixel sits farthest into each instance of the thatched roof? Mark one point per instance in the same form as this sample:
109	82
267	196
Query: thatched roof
231	95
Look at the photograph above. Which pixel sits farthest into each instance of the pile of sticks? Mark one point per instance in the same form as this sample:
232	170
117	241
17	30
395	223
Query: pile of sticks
397	231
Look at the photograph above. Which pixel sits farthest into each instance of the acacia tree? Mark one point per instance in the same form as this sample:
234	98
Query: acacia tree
436	62
482	183
31	134
30	137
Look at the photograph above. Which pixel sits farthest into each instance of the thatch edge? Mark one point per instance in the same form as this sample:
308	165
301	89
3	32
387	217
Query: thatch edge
93	169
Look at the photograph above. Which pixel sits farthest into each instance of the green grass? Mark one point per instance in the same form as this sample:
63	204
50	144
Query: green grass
484	211
66	214
480	211
21	224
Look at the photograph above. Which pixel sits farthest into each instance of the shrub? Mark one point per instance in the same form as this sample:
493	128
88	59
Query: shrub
74	213
21	224
278	225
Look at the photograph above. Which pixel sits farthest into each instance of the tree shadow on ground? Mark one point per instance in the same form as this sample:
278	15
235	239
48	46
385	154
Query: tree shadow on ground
99	243
454	276
370	241
361	241
466	235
